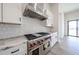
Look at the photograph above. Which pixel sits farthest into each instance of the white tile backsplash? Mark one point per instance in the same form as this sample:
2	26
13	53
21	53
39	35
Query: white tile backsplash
29	25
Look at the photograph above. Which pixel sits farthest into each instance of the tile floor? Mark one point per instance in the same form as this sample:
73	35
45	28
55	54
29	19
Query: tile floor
67	46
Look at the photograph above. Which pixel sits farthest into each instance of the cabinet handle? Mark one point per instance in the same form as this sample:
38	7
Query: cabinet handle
15	51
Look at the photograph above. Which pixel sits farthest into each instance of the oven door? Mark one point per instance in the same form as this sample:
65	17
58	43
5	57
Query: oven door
46	47
34	52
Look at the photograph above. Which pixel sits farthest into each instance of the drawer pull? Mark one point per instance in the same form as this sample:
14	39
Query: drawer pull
15	51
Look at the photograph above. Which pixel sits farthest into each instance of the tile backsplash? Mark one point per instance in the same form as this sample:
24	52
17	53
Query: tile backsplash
29	25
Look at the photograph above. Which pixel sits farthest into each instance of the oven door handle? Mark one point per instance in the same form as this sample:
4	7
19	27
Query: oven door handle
15	51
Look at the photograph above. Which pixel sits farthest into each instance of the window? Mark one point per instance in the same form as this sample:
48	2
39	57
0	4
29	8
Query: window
78	28
73	28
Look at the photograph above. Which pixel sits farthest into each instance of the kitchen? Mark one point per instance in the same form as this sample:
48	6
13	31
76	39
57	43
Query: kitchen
28	28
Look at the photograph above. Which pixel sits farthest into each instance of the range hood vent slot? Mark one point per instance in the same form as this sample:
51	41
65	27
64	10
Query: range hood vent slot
30	13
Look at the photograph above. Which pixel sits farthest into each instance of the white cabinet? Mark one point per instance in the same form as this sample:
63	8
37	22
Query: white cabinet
14	50
53	39
49	20
11	13
40	7
13	46
0	12
31	6
49	15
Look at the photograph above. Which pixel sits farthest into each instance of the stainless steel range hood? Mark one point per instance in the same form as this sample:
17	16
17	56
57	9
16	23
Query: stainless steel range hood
30	13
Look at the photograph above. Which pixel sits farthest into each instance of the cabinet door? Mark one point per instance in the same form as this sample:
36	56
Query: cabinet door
52	41
12	13
40	7
0	12
50	18
31	6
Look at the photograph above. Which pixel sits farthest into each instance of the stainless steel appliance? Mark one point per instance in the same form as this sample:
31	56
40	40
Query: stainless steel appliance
31	12
39	44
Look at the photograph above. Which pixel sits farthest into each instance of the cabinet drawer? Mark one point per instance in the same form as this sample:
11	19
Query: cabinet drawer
11	13
13	50
54	34
19	53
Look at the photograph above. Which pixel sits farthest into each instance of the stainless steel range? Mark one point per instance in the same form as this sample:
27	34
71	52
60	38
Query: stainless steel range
38	43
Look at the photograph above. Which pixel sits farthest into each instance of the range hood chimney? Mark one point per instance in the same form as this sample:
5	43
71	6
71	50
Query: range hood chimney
30	13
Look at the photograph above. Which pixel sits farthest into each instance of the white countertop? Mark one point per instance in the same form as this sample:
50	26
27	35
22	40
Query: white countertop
12	42
17	40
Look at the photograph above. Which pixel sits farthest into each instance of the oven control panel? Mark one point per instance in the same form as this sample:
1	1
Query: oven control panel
36	43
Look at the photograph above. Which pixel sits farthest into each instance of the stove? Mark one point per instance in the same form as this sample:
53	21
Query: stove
31	36
43	33
35	45
35	35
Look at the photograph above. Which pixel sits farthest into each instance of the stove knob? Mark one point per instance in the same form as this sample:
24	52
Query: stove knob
34	43
45	38
31	45
41	40
38	42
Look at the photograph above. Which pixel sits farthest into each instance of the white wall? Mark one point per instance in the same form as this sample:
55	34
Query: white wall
61	26
60	21
68	7
29	25
54	10
71	16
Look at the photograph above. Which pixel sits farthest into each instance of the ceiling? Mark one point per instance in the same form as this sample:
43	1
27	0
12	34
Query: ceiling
68	7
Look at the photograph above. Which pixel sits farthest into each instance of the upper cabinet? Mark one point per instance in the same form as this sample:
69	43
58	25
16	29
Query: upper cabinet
49	14
31	6
0	12
40	8
12	13
50	18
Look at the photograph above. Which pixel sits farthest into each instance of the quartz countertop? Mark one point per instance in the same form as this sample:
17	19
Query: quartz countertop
12	42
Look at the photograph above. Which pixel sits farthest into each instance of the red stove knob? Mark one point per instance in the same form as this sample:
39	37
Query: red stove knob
31	45
38	42
41	40
34	43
